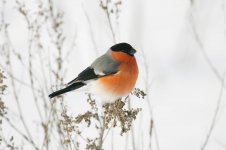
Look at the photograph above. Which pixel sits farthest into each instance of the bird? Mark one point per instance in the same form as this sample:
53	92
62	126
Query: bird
111	76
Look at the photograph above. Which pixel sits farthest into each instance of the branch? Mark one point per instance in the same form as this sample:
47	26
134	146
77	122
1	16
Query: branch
21	133
205	55
213	123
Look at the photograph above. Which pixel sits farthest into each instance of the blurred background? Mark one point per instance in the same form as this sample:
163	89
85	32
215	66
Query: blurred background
181	54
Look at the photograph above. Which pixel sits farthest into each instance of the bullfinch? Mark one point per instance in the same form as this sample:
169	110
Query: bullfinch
111	76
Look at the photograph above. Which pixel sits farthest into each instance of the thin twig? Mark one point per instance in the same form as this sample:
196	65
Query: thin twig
102	130
18	105
106	9
213	123
205	55
30	63
91	31
21	133
132	130
147	89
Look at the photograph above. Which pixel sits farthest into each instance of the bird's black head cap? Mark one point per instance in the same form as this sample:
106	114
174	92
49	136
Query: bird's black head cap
124	47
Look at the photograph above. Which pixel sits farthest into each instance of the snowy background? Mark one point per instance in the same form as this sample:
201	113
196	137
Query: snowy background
181	48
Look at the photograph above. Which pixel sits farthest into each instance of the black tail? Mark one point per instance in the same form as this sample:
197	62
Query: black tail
67	89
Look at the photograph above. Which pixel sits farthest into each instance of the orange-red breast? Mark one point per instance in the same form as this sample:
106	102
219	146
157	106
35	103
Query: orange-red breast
111	76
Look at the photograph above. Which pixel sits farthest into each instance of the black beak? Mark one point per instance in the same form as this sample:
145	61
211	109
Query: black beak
132	51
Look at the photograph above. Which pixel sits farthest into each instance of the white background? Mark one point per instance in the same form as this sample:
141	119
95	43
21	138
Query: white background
172	36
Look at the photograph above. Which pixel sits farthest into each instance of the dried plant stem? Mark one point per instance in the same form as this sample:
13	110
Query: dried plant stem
223	6
132	131
8	46
30	65
45	87
106	9
21	133
15	78
111	27
32	83
91	32
47	127
202	48
214	70
102	130
213	123
126	141
112	140
19	107
153	129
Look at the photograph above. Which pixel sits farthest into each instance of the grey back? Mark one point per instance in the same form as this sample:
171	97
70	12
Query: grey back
105	64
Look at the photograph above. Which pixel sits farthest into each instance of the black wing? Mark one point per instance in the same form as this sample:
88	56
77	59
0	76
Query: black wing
102	66
89	74
85	75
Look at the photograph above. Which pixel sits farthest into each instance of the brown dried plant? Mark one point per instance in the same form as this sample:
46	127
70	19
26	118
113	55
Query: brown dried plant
2	89
40	68
112	115
4	142
58	130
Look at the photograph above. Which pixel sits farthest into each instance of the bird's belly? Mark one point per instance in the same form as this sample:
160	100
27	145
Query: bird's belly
113	87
